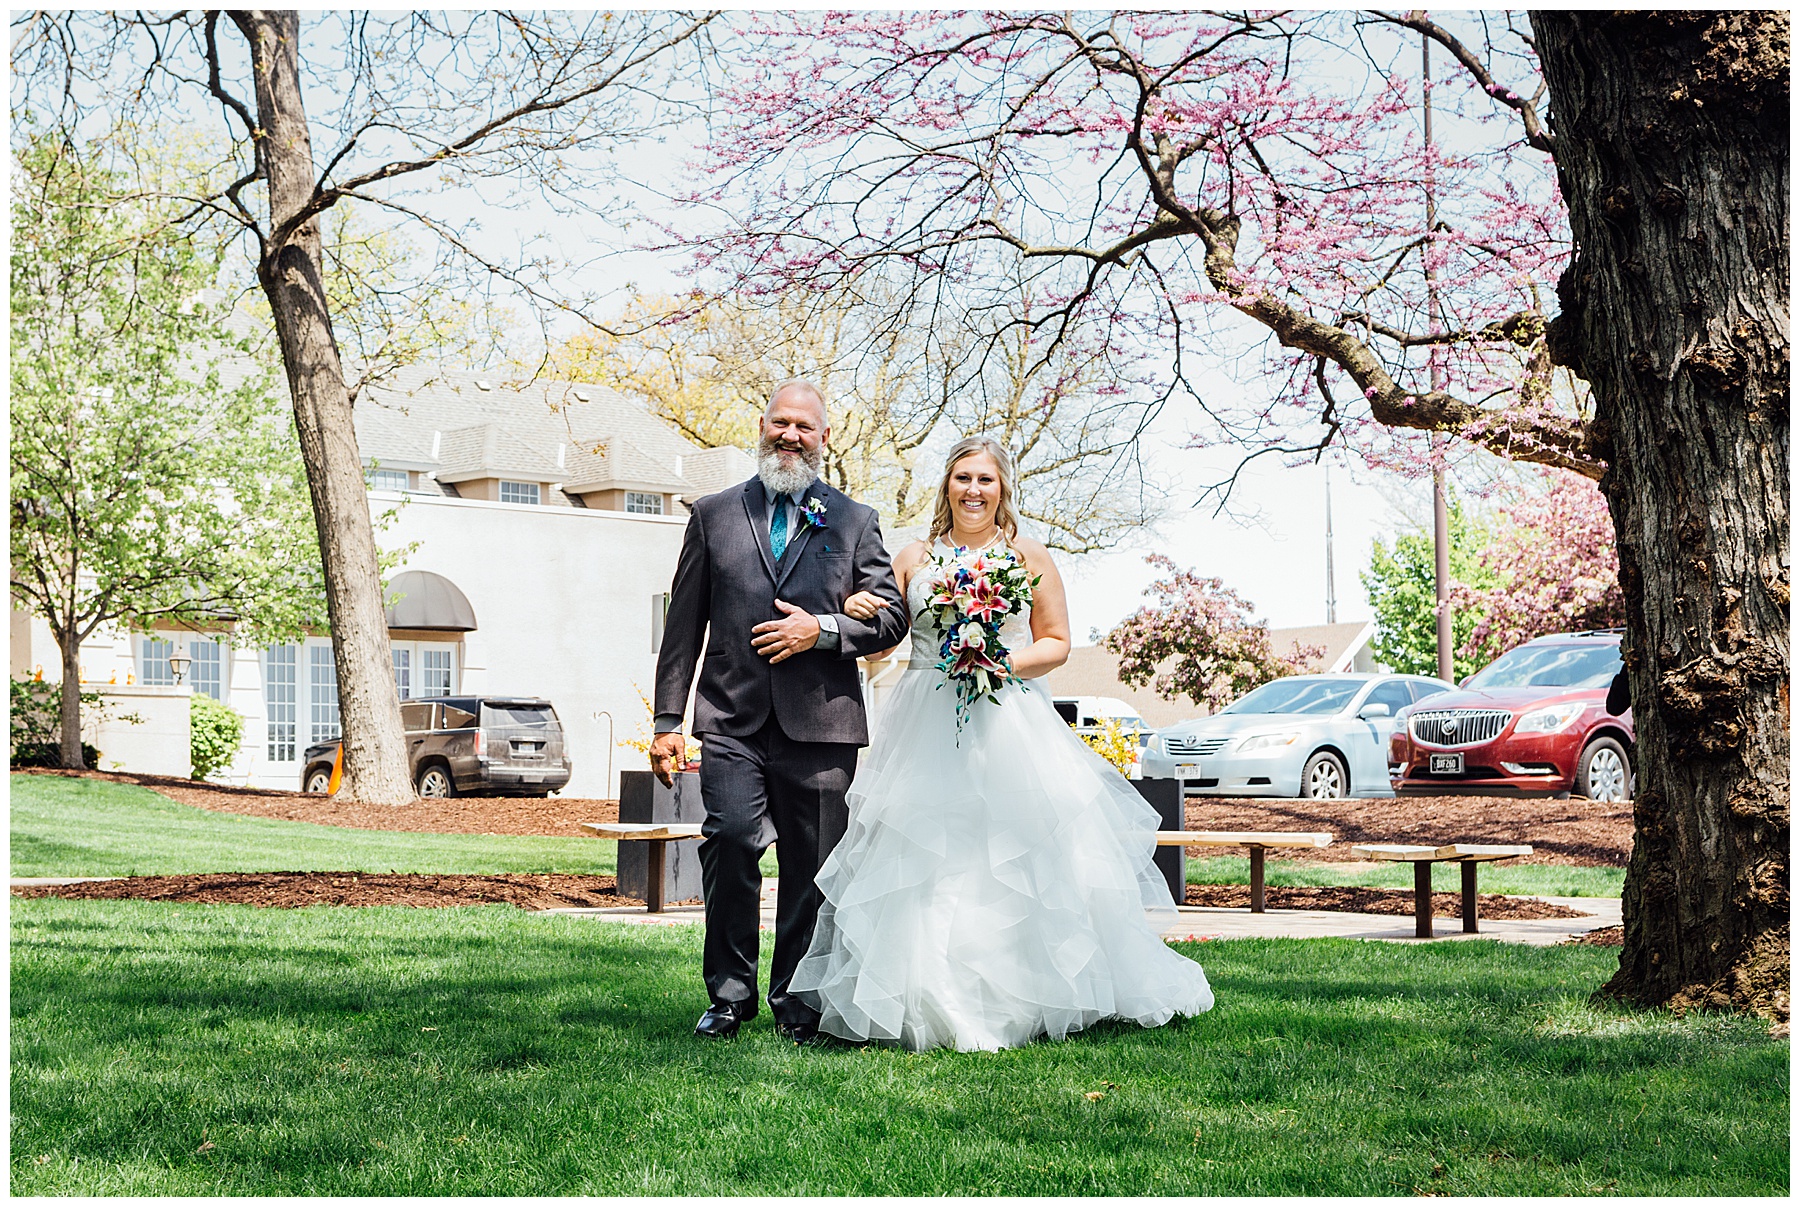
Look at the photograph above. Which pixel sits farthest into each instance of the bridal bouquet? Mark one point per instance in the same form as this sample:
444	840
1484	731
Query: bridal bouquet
972	594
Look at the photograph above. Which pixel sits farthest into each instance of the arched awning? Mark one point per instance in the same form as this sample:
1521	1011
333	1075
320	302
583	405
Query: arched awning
429	601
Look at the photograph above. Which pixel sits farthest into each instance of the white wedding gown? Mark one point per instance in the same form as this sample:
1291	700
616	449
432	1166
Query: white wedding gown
994	886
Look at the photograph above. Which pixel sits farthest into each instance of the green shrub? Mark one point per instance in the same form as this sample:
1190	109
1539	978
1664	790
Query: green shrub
215	730
36	730
49	754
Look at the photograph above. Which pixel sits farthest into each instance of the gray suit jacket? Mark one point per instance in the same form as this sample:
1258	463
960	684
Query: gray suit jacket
727	582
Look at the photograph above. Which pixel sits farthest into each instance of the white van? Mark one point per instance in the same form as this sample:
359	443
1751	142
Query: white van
1085	713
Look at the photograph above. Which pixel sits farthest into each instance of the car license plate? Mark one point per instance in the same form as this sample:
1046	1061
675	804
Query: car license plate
1446	764
1186	769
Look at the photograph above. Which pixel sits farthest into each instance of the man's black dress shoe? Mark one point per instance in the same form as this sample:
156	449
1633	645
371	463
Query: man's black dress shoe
721	1022
800	1033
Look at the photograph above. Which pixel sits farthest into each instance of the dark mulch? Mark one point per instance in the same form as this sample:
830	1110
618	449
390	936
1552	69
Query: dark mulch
1355	900
1606	936
292	890
1576	831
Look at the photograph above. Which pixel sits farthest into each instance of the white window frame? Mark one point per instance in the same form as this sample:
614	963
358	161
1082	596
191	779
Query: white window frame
282	747
529	493
643	502
153	669
419	656
402	655
323	719
389	479
224	664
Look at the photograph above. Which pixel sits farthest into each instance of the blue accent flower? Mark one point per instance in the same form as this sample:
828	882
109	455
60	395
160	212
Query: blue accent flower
814	512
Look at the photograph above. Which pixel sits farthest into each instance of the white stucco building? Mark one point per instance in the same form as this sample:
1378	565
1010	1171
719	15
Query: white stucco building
544	521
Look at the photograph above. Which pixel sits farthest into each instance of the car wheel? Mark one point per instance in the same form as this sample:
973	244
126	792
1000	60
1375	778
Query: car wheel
319	780
1605	771
435	781
1324	777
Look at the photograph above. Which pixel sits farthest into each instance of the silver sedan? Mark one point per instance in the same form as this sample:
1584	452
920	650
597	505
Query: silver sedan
1320	736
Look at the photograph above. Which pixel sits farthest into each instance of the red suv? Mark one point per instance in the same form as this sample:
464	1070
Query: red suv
1533	722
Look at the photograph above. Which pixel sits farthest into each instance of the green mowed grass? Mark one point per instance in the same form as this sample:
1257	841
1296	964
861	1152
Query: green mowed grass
1519	879
85	827
174	1049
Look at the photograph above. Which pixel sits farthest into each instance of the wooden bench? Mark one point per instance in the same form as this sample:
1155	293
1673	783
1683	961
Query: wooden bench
1258	841
658	835
1470	855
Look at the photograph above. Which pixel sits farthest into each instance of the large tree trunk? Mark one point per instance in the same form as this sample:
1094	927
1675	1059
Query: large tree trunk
1671	134
375	767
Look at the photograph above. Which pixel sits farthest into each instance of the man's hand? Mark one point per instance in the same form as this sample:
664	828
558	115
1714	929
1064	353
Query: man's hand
667	753
794	633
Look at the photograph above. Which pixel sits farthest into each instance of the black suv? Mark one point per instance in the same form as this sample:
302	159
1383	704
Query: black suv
479	745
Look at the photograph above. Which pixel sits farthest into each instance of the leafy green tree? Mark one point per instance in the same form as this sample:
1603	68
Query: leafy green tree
155	477
1402	585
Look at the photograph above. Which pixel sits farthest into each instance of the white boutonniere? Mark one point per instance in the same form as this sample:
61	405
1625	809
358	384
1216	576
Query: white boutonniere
813	512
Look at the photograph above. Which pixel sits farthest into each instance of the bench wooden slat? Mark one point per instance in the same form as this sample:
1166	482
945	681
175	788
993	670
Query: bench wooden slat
1464	851
1244	838
637	831
1469	850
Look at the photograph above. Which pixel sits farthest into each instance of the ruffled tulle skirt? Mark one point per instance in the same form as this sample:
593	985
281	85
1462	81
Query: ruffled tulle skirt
994	885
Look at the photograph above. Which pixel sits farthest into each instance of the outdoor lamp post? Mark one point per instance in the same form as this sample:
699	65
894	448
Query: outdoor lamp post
178	664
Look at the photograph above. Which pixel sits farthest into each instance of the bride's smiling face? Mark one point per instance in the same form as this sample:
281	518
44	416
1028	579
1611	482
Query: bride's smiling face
974	492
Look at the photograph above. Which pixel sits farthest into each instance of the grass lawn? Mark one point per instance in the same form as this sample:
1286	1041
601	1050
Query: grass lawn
83	827
171	1049
1522	879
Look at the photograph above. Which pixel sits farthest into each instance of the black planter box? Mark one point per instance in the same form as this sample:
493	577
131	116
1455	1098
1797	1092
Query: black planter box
1165	797
643	798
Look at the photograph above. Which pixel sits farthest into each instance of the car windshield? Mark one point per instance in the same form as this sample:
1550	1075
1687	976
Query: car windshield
1298	696
516	714
1551	666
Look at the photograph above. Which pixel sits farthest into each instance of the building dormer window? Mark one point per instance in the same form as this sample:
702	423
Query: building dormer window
389	479
519	492
640	502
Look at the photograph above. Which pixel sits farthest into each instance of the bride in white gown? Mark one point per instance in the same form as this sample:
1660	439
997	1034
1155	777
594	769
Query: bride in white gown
995	884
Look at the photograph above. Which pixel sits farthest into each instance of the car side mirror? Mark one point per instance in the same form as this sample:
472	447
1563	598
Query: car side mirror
1371	711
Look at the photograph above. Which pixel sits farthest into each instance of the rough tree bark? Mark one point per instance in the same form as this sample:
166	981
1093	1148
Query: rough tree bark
1671	139
291	272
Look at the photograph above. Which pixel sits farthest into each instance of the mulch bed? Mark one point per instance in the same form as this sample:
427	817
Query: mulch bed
1356	900
292	890
1576	832
1606	936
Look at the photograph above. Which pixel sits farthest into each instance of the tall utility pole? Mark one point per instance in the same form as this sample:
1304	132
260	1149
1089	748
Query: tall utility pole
1330	571
1440	507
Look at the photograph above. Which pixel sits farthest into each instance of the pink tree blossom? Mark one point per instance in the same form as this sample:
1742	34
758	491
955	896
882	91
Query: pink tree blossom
1162	180
1557	565
1198	640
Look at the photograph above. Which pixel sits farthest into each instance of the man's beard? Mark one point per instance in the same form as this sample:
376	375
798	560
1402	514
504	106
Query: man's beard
800	470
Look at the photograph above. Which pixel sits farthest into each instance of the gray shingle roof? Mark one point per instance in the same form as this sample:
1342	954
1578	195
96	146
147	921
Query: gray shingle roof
444	421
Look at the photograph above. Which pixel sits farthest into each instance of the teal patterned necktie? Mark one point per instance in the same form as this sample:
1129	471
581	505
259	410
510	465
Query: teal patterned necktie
778	529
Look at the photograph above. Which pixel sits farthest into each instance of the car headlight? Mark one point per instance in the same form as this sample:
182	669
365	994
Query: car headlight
1154	745
1262	741
1551	719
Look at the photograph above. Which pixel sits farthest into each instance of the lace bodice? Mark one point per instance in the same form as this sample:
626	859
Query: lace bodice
927	636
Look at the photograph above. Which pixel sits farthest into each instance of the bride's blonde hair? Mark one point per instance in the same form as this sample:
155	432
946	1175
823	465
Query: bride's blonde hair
1004	517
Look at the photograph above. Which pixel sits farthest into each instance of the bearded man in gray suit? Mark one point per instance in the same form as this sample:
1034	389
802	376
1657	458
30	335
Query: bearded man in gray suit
766	567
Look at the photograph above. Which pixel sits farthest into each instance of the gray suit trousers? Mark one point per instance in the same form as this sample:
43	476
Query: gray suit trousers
760	788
